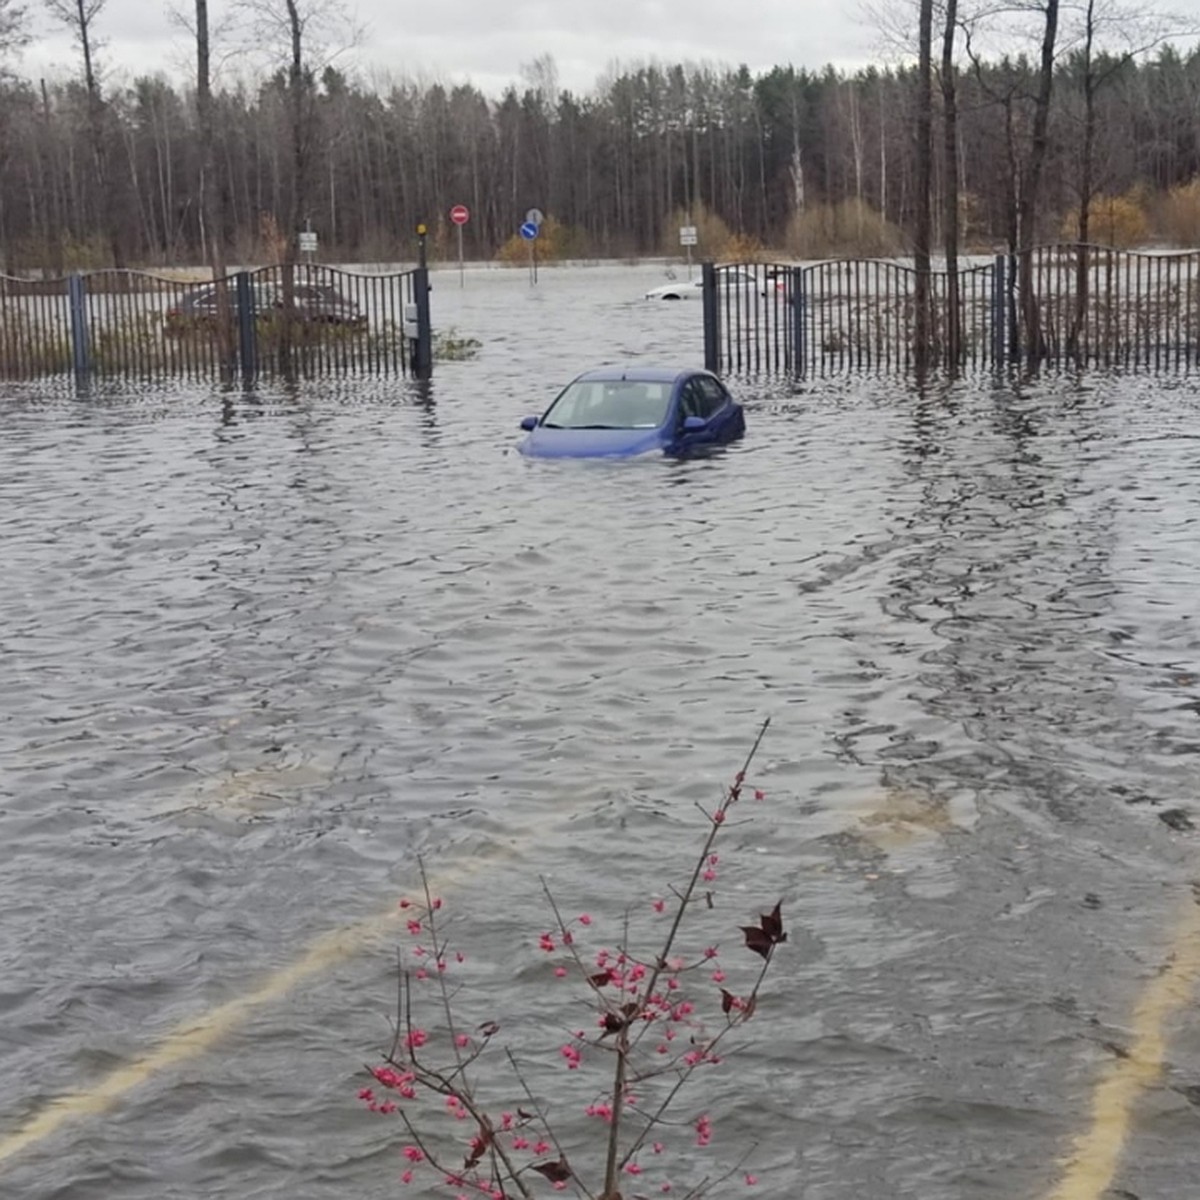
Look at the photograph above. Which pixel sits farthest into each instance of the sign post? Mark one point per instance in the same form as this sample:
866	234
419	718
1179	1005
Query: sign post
529	231
688	238
460	214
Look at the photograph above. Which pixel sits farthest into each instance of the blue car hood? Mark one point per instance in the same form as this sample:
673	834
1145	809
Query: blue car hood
590	443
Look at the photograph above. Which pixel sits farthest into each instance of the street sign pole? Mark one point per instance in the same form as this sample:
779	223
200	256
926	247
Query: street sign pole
529	230
460	214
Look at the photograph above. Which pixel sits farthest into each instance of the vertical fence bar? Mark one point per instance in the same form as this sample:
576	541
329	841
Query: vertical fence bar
798	306
247	333
999	313
712	327
77	304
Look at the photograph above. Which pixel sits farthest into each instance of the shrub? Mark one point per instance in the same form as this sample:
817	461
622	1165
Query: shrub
555	241
848	229
474	1119
1179	217
1117	221
712	234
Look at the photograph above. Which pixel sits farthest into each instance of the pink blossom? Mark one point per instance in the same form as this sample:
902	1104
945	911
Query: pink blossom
759	794
657	1147
666	1187
437	903
414	927
506	1120
460	956
659	905
719	817
567	938
541	1148
405	903
560	972
413	1154
462	1040
546	942
366	1094
585	919
633	1169
407	1177
415	1038
709	876
713	859
710	952
751	1180
718	977
422	973
520	1143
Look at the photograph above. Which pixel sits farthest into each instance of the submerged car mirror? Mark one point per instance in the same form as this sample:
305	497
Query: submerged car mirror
529	422
693	424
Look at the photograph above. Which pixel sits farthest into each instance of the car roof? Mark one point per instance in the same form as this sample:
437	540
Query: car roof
638	374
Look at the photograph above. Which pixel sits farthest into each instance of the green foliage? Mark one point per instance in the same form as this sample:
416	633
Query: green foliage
450	346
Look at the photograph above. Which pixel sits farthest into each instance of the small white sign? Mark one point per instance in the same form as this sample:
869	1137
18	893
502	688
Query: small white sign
308	243
687	235
535	216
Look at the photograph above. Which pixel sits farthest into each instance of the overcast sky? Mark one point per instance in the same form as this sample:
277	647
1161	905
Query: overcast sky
487	41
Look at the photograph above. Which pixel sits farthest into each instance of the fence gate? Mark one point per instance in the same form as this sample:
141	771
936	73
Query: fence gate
854	314
290	321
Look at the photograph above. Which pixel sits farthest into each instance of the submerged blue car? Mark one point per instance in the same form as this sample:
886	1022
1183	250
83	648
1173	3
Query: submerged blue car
616	412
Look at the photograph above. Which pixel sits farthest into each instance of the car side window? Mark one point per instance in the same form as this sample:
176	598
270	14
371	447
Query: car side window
714	395
692	402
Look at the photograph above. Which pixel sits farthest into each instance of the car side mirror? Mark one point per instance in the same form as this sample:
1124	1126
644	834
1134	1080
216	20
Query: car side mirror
529	423
693	424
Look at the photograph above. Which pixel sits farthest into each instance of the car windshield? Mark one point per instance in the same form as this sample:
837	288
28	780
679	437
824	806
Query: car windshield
610	404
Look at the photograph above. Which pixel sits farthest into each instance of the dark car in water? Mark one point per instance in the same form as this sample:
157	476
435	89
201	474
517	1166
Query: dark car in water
312	303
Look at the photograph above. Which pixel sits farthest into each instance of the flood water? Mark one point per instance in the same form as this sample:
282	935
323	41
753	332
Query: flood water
260	650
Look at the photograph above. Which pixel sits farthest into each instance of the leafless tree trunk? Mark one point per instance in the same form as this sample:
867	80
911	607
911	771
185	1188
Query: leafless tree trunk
211	206
1027	203
950	181
78	16
924	178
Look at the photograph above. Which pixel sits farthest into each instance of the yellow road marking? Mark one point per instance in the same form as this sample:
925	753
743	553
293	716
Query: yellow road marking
1096	1154
191	1038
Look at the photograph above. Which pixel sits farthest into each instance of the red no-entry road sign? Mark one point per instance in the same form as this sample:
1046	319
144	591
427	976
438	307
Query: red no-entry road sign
460	214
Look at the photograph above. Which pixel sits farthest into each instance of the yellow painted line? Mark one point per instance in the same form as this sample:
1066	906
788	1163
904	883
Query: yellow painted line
194	1037
1096	1154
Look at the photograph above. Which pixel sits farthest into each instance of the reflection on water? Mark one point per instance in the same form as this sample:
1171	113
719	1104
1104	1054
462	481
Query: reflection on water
262	647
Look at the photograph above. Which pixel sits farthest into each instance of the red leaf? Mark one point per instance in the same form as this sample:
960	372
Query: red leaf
600	979
489	1028
757	941
727	1001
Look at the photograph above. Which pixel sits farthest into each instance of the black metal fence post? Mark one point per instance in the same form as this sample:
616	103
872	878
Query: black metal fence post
247	331
77	305
999	311
422	349
712	322
798	306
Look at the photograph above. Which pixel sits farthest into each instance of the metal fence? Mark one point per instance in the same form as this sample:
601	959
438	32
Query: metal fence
297	321
1087	305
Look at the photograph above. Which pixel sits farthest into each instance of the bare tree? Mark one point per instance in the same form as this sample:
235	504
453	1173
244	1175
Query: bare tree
950	181
78	16
924	179
14	29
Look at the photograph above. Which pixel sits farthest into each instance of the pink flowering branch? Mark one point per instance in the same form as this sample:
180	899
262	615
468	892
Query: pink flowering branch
635	998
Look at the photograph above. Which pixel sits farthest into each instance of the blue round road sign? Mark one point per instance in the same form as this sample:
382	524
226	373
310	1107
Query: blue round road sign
529	231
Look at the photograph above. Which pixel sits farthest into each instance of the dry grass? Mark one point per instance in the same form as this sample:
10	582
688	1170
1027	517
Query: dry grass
849	229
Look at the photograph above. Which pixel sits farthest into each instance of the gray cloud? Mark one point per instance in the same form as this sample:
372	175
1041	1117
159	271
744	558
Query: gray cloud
486	41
